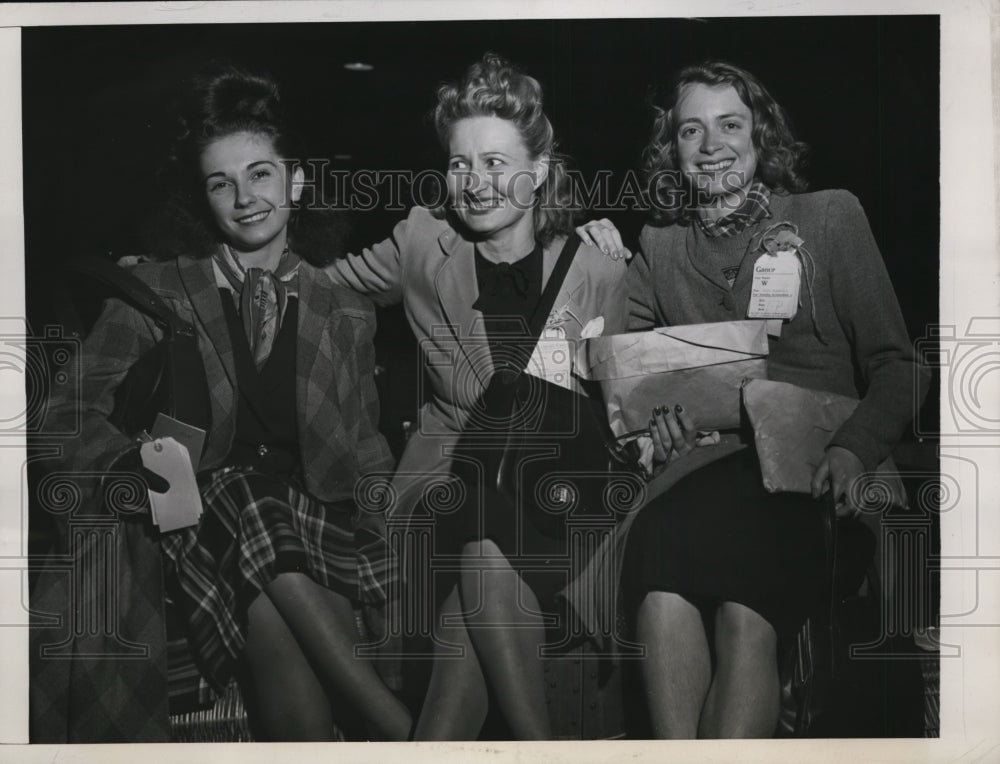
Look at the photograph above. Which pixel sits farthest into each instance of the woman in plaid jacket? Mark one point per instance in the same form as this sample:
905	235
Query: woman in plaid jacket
271	574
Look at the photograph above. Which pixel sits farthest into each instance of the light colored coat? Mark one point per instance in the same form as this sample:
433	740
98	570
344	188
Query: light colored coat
430	267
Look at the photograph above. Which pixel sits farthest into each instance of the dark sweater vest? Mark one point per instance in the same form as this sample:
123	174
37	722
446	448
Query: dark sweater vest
266	436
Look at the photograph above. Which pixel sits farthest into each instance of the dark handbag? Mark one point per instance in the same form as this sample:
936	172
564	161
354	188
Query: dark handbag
539	444
169	378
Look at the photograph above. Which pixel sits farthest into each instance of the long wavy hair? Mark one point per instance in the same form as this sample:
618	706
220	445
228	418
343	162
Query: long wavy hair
780	156
494	87
221	100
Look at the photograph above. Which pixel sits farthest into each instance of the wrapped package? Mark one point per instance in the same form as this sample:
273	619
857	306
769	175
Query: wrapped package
793	426
699	366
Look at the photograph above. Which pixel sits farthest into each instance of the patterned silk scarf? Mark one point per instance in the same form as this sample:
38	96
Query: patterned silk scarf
260	295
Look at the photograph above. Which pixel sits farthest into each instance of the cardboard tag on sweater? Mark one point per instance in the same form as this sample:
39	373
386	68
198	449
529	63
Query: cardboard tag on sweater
775	290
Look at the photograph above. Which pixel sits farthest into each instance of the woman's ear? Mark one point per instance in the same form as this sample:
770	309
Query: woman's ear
298	179
541	171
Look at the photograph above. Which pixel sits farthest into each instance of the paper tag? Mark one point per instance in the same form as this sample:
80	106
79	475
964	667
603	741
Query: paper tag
775	290
193	438
180	506
551	361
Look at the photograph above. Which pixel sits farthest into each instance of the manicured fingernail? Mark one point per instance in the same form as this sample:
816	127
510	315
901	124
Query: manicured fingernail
678	408
657	411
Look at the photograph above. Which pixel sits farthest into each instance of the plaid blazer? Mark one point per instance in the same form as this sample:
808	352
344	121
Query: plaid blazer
336	399
90	699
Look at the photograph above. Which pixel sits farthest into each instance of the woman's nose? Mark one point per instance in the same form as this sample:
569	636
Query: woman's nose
244	195
476	179
710	141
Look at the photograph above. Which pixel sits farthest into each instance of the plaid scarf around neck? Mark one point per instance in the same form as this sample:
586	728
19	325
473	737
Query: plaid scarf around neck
755	208
261	297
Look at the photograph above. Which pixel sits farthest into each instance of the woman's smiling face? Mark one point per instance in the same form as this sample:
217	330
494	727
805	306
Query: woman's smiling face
491	175
714	139
249	190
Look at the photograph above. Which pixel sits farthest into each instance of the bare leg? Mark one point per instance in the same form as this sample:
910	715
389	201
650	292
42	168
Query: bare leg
324	626
290	701
744	698
457	701
678	668
508	653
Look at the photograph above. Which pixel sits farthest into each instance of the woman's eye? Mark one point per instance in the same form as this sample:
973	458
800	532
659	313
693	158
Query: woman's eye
494	162
218	186
457	164
258	174
687	132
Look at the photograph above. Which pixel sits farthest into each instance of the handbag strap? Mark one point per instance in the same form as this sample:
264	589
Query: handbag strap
541	313
134	290
521	353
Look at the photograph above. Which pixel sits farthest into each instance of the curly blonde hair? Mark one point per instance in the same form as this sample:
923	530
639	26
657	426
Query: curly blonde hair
494	87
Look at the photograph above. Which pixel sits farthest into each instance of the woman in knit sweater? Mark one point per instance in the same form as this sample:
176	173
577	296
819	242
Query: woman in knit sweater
718	568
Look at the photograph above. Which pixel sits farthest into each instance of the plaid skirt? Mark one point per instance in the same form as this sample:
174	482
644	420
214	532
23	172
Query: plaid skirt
254	527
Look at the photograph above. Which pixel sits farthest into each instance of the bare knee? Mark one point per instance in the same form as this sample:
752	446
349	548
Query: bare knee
666	608
485	566
742	630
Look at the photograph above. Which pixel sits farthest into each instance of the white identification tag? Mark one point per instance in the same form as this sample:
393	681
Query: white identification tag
551	360
180	506
776	282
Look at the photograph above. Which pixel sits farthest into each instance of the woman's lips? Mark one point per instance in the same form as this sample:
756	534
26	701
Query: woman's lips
254	218
481	206
715	166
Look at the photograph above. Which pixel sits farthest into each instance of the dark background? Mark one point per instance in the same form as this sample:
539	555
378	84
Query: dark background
862	91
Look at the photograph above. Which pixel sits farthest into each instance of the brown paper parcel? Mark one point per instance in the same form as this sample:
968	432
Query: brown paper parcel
699	366
792	427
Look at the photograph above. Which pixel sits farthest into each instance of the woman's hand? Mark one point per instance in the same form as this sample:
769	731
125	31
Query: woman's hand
671	434
838	471
604	235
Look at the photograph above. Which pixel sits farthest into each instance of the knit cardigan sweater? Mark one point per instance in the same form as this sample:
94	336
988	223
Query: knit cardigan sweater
865	351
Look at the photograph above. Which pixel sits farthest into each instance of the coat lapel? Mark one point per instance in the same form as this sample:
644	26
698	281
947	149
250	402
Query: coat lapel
198	278
314	312
329	385
455	283
567	306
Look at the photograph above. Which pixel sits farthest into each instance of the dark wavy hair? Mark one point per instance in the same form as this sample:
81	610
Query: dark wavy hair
218	101
494	87
780	156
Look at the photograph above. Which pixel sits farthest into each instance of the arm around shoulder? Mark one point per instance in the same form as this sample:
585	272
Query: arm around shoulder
377	271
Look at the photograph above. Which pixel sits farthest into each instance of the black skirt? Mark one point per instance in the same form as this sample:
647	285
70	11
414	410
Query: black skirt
718	536
535	542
